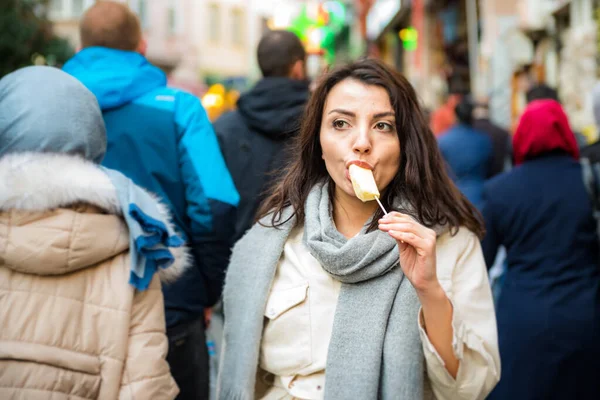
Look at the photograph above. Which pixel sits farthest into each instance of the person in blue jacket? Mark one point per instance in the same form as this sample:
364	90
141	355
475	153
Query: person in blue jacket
162	139
549	307
467	152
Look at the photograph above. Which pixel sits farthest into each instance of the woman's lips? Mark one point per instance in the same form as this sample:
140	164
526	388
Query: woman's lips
359	163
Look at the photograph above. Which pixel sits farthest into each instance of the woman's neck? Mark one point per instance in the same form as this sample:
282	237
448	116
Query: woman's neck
350	214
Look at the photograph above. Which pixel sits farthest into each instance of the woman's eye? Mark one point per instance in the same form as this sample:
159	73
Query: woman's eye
339	124
382	126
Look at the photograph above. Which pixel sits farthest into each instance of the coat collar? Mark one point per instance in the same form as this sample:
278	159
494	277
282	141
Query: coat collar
44	181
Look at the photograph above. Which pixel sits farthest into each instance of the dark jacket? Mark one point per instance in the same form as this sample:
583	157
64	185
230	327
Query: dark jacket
162	139
549	307
468	154
501	145
254	140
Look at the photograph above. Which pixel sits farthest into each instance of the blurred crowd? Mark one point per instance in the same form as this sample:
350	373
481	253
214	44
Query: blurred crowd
147	253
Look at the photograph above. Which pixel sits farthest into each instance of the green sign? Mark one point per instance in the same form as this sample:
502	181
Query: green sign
410	38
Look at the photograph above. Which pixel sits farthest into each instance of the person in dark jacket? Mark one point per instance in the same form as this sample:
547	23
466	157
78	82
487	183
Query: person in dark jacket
501	143
468	153
162	139
254	137
548	319
545	92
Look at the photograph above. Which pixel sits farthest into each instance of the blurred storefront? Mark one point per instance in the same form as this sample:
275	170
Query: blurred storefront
322	26
446	48
426	40
576	37
529	42
384	21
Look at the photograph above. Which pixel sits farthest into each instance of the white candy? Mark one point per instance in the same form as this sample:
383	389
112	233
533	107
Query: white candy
363	183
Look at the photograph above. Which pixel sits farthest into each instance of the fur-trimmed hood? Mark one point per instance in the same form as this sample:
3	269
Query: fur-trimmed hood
42	195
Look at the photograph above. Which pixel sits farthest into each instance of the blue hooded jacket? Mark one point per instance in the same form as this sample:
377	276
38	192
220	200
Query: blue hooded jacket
162	139
468	155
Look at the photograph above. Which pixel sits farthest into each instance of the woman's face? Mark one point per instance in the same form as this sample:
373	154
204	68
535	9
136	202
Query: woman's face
359	126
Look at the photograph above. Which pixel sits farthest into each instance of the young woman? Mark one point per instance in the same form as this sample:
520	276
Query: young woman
328	298
549	305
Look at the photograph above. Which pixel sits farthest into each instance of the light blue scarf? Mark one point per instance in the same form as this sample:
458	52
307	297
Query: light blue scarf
45	110
150	234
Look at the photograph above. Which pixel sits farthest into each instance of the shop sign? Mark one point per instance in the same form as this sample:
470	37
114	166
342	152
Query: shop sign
380	15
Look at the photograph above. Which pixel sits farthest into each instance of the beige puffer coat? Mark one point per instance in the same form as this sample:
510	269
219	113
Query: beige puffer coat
71	327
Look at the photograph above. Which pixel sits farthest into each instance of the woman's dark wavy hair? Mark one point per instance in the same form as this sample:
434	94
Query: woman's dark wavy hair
421	180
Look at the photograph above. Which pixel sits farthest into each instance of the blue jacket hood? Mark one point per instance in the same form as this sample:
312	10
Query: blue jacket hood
116	77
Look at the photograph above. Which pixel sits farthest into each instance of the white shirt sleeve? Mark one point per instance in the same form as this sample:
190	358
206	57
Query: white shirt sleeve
475	339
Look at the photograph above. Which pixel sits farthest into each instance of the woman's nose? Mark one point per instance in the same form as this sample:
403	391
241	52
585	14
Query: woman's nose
362	144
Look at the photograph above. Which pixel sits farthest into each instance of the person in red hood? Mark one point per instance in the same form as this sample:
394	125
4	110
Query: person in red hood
543	128
548	320
444	117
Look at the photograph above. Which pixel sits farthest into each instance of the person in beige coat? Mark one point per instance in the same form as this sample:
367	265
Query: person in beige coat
72	326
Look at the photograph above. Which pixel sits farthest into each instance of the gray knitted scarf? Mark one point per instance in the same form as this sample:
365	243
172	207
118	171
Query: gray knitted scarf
375	350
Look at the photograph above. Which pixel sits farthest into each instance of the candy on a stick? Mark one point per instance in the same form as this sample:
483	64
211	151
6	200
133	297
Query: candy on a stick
364	184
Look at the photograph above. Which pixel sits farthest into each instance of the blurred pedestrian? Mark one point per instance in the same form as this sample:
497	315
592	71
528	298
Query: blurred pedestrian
316	304
501	161
501	140
544	92
444	117
541	92
548	320
81	308
163	140
255	137
467	152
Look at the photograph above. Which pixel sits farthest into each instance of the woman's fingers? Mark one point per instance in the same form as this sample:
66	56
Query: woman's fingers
396	214
401	222
411	239
406	230
400	227
401	243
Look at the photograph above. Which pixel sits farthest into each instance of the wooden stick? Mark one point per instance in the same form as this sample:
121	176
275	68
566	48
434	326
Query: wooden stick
383	209
381	205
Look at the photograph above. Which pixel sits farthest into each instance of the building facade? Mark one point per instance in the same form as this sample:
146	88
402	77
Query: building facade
426	40
197	42
540	41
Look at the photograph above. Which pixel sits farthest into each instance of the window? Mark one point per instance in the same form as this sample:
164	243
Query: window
56	6
214	25
172	19
140	8
77	7
142	11
237	27
175	17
